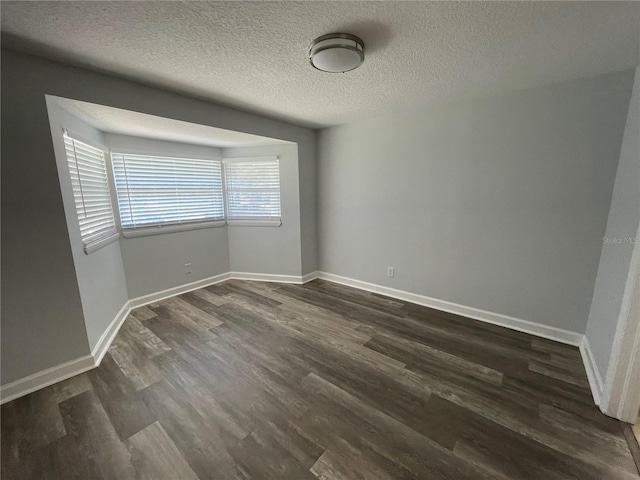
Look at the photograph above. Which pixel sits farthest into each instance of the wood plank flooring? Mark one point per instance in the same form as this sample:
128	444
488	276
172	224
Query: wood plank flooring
249	380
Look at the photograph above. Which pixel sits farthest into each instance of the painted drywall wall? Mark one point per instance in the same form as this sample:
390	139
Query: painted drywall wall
101	279
498	203
150	146
308	179
156	262
274	250
43	331
42	319
618	241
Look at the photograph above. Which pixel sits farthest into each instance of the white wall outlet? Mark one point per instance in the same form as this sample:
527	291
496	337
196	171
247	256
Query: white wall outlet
187	268
391	271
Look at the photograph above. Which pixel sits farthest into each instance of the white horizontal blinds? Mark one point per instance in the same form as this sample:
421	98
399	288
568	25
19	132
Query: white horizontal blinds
90	190
253	189
157	191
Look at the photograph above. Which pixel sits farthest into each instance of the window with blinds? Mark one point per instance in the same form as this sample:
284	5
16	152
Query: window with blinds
253	190
90	186
156	191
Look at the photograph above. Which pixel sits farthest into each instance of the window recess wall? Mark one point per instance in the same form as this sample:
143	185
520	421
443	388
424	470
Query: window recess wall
260	248
157	262
100	274
149	265
154	258
38	251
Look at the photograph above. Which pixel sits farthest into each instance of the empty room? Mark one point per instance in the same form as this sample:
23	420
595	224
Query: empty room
349	240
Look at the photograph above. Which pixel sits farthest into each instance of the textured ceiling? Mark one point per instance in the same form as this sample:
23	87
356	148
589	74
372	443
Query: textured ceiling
126	122
253	54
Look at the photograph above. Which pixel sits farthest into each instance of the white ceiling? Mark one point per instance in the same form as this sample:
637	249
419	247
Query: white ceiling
253	55
126	122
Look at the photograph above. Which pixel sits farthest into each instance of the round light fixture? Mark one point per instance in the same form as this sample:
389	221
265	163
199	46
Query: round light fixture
336	52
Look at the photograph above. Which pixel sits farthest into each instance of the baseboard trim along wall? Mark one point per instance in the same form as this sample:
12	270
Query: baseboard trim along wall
593	374
66	370
310	276
109	334
47	377
552	333
179	290
268	277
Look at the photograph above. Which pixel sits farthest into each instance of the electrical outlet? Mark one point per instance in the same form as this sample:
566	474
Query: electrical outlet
391	271
187	268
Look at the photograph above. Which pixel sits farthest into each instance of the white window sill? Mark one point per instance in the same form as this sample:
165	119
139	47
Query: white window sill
96	245
164	229
254	223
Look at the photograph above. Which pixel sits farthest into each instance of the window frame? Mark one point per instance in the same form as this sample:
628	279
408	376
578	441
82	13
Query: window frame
252	221
112	235
148	230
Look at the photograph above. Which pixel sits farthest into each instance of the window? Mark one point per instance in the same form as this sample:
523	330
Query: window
253	190
156	191
90	186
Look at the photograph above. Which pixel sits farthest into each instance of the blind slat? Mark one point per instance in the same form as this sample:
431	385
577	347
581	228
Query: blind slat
156	190
89	182
253	190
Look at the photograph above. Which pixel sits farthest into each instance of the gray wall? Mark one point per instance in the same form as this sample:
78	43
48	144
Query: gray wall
42	318
622	225
156	262
498	204
274	250
308	204
101	279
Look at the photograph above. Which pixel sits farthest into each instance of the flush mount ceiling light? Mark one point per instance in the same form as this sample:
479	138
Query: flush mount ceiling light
336	52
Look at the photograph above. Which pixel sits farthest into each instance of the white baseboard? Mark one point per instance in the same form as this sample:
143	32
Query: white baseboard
110	333
66	370
552	333
593	374
69	369
179	290
266	277
44	378
310	276
533	328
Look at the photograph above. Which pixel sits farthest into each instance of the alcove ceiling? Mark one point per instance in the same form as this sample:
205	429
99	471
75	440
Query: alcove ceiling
126	122
253	55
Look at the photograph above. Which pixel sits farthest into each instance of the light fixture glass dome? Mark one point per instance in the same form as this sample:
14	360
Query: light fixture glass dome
336	52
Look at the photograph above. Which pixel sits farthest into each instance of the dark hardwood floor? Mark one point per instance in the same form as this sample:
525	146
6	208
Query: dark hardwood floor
270	381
